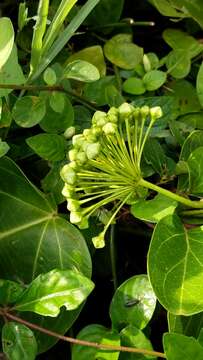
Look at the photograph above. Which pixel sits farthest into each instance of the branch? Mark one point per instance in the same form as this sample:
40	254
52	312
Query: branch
79	98
82	342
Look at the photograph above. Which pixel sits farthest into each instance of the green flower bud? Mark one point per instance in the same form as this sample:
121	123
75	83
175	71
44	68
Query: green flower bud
125	110
73	205
156	113
78	140
98	115
84	224
68	174
68	191
75	217
109	128
72	154
81	158
93	150
73	165
145	110
70	131
112	115
98	241
136	113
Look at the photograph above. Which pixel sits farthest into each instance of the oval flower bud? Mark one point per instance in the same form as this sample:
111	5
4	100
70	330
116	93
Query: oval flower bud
68	175
77	140
75	217
156	113
81	158
144	110
125	110
72	154
98	115
68	191
73	205
69	132
109	128
98	241
93	150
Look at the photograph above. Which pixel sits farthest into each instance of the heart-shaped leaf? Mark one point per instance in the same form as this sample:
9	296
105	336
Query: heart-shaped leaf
18	342
133	303
48	292
175	265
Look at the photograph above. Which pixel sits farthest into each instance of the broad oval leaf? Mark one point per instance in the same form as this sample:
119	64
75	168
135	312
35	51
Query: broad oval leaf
10	291
4	148
195	165
120	51
178	63
175	266
82	71
134	86
154	79
46	241
93	55
155	209
49	292
133	337
179	347
178	39
18	342
133	303
7	39
96	91
100	335
29	111
49	146
49	76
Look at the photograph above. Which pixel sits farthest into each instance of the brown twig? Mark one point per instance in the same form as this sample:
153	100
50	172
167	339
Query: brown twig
81	342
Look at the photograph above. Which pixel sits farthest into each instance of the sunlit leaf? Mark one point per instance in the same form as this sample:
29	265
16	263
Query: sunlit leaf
7	39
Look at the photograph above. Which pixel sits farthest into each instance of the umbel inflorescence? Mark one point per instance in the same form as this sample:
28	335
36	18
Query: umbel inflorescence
105	163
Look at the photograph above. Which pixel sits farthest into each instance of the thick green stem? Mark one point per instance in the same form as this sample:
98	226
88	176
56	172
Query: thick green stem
171	195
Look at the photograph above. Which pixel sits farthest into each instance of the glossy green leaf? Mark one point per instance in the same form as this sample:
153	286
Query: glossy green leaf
154	155
11	72
133	303
48	146
154	79
133	337
83	117
155	209
7	39
180	40
186	325
120	51
152	60
178	63
175	266
46	241
52	183
29	111
49	292
199	84
100	335
18	342
166	8
93	55
57	102
50	76
106	12
4	148
82	71
134	86
57	121
96	91
195	9
179	347
10	291
195	164
113	96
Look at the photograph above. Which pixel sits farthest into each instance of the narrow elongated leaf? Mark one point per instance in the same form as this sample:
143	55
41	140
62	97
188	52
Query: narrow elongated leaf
101	335
175	266
155	209
133	337
18	342
179	347
35	240
7	39
133	303
48	292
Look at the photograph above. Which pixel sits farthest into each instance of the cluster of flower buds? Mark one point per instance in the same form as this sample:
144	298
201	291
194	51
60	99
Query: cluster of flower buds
105	161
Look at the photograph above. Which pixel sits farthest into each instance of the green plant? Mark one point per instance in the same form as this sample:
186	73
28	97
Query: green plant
122	123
